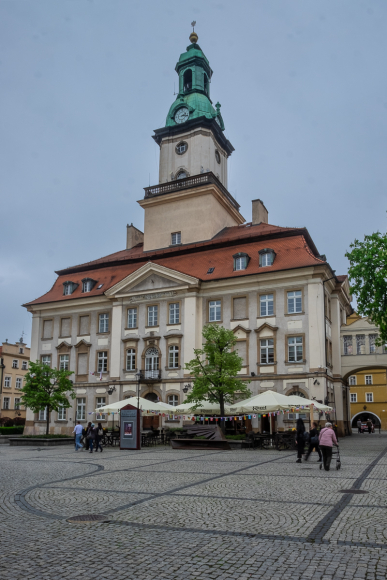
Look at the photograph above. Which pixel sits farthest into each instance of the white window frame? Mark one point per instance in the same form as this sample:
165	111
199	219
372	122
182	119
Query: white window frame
294	298
174	313
294	343
352	380
240	263
6	403
62	413
132	317
19	383
8	382
266	305
181	147
153	315
266	348
173	400
44	361
214	310
369	397
16	404
353	397
64	362
68	289
42	415
103	323
266	259
15	363
100	402
176	238
368	379
372	338
102	361
81	409
24	365
173	356
131	359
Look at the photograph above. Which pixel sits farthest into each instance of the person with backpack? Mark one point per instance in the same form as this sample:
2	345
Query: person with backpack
327	439
98	437
313	443
300	438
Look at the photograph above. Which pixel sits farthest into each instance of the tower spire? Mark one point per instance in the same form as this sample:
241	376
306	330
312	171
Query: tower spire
193	36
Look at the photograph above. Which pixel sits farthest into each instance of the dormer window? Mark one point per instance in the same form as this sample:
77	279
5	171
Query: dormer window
240	261
69	287
266	257
88	284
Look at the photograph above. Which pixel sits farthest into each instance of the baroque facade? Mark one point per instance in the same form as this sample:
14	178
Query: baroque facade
14	360
198	261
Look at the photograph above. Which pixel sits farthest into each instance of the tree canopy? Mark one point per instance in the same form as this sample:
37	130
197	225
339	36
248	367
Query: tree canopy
46	388
215	368
368	279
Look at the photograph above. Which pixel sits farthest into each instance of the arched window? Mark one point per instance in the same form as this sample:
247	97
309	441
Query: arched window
130	359
152	363
182	174
266	257
187	80
151	397
173	400
173	360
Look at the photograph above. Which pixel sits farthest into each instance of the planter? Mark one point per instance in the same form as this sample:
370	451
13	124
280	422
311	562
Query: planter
37	442
4	439
236	444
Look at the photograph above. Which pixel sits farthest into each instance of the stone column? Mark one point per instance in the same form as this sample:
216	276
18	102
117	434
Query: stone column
316	325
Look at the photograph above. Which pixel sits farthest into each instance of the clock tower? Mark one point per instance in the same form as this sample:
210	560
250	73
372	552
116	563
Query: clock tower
191	202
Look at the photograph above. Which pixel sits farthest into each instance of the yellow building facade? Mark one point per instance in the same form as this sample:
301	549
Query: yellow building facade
368	396
14	360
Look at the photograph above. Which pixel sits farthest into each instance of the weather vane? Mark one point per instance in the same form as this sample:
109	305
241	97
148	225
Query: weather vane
193	24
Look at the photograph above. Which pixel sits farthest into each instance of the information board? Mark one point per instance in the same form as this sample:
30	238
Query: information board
128	431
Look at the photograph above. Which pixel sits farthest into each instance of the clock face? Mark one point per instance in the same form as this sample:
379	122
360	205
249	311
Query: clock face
182	115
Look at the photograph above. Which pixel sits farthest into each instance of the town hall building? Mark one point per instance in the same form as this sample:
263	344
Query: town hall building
195	261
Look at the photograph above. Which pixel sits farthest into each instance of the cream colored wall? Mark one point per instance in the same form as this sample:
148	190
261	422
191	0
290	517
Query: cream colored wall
198	218
336	355
199	157
115	366
316	324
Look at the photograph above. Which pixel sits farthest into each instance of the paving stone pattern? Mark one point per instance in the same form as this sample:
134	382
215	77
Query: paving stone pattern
184	515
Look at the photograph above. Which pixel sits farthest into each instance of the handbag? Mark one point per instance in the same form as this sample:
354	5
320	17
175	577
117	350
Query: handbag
314	440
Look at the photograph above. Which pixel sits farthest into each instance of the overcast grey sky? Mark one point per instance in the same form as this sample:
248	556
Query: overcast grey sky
84	83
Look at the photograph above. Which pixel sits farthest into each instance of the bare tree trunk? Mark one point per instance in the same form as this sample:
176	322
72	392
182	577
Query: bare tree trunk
221	405
47	419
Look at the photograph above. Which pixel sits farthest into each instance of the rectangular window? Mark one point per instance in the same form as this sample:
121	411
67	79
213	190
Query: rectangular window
215	310
82	363
352	380
353	397
176	238
266	305
174	313
240	263
15	364
131	359
101	402
294	302
368	379
348	349
7	382
295	349
360	344
373	338
102	361
84	325
64	362
132	317
81	409
173	400
46	360
103	323
6	402
267	350
153	315
87	285
24	365
65	327
240	308
43	415
173	360
17	403
67	289
61	414
21	350
266	259
19	383
369	397
47	329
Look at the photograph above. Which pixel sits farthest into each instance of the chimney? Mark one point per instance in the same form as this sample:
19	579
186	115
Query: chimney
133	236
260	213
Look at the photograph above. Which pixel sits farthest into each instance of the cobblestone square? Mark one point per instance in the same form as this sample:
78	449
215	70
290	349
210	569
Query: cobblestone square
193	514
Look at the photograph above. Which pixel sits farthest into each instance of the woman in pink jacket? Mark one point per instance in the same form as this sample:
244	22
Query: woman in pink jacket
327	439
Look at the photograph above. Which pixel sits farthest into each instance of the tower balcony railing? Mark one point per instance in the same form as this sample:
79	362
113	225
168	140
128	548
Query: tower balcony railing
149	376
189	183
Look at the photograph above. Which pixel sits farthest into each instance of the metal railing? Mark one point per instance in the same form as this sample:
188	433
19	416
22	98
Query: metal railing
150	375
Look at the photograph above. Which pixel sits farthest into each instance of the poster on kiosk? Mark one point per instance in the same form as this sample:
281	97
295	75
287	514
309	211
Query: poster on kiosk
129	432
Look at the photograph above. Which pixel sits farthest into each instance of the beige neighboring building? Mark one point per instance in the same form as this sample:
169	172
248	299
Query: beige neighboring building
15	359
141	310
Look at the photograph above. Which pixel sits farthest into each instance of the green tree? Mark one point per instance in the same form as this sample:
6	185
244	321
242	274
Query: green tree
46	388
215	368
368	278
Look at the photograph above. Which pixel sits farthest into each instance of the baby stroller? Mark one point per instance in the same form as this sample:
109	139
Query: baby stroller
335	452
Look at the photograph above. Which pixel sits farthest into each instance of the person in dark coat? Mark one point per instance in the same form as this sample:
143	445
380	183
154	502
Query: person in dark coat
98	437
369	425
300	440
92	434
313	443
85	433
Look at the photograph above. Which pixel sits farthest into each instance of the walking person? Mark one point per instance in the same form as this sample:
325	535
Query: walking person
78	434
327	439
369	425
300	440
98	437
91	436
359	429
85	433
313	443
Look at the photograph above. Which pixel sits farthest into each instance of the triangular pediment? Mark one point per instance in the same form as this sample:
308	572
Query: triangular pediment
152	278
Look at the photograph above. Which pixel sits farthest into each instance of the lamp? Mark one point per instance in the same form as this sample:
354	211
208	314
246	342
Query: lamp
111	389
187	387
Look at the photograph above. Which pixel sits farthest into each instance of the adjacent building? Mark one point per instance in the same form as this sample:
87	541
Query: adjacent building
15	359
364	367
141	310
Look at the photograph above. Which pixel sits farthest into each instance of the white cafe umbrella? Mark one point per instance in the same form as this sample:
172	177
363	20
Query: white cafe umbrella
145	405
266	402
298	401
205	407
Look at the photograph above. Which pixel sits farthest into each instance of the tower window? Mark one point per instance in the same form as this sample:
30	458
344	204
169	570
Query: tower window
187	80
181	147
206	85
217	156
